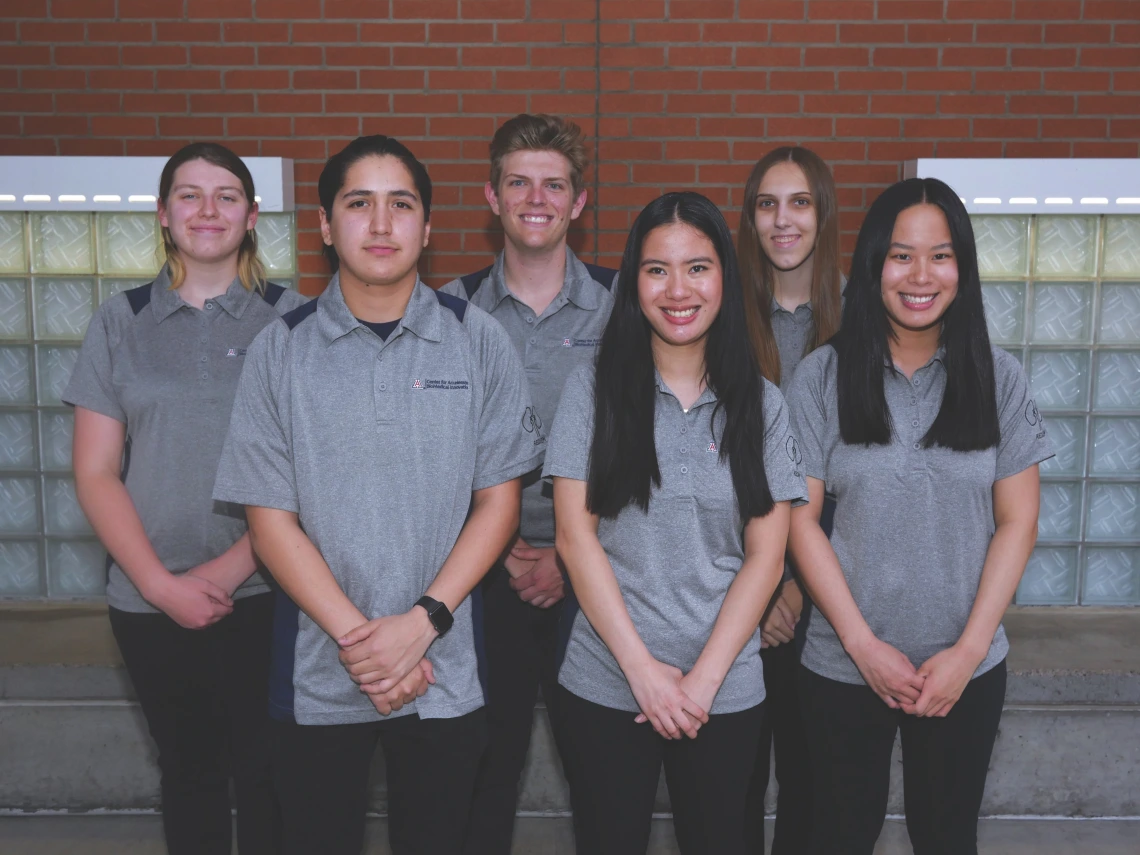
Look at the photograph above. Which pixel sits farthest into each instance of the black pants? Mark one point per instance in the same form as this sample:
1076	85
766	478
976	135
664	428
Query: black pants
783	730
945	761
615	765
204	693
521	652
321	776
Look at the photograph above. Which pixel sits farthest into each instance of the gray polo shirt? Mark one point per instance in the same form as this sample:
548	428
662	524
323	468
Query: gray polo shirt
377	446
565	336
792	331
169	371
674	564
912	524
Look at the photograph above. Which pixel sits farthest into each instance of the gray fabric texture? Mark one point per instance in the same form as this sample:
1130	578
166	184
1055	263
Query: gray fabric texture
377	446
565	336
674	564
169	374
792	331
912	525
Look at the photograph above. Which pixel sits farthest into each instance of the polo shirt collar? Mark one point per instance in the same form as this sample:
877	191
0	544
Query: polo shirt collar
165	301
578	286
707	396
776	307
939	357
421	317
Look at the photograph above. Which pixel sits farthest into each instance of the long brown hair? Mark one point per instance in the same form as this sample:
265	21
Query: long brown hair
757	273
251	271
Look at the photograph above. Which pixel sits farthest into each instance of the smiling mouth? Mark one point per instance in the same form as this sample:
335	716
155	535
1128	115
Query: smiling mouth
915	301
681	314
537	219
785	240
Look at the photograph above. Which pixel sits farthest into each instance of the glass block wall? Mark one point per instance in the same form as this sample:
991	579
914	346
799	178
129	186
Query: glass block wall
1062	293
55	268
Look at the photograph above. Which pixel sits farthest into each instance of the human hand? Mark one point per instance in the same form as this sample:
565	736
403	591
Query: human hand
779	623
413	686
542	585
946	675
386	649
212	571
700	688
888	672
663	702
190	601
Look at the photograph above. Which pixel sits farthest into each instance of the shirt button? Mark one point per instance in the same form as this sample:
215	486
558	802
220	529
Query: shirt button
533	340
204	375
684	470
383	386
914	400
529	319
209	305
915	423
203	358
684	450
917	446
684	430
915	381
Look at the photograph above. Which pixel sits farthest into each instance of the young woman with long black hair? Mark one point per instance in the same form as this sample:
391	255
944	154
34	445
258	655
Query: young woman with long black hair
190	611
789	266
672	491
930	442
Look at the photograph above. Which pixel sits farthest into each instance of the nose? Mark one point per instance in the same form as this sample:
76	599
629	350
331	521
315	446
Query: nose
209	206
676	288
381	222
782	219
920	271
535	195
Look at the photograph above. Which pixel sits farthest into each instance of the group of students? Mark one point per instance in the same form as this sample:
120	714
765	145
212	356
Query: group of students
718	499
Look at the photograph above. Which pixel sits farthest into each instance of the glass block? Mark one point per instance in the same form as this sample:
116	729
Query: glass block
15	375
76	568
14	309
1068	438
1060	517
19	506
19	568
1050	577
1122	247
63	307
17	440
61	243
1116	447
1112	577
1062	313
128	244
275	243
55	441
1118	380
1005	311
1059	379
55	365
13	243
1114	512
1120	314
108	288
64	516
1003	246
1066	246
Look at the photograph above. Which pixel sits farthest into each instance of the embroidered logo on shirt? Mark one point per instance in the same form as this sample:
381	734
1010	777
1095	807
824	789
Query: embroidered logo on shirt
530	421
566	343
417	384
712	448
582	342
452	385
1031	414
236	351
793	449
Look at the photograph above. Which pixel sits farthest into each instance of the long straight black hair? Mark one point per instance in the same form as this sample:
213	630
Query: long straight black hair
967	419
623	456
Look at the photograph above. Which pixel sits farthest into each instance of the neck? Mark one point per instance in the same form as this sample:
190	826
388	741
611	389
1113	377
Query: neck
682	367
380	303
535	277
792	288
912	349
206	280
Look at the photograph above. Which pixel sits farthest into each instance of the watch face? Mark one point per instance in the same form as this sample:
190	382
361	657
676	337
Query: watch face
442	618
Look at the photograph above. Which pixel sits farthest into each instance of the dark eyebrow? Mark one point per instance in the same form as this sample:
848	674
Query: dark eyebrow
911	248
547	178
196	187
703	258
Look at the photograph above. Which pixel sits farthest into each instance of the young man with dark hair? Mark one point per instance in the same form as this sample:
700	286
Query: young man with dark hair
377	441
554	308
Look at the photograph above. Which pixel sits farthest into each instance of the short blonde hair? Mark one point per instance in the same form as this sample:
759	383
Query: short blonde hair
541	132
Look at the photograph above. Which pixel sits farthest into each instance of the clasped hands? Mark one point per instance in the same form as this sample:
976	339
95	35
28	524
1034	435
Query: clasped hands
929	691
674	703
385	657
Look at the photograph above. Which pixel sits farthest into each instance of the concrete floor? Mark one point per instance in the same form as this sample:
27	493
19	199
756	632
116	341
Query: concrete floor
142	835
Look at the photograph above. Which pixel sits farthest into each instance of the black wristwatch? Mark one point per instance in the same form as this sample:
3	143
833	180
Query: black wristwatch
439	614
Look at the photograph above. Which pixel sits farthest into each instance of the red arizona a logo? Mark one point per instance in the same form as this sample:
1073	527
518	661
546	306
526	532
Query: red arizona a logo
712	448
417	384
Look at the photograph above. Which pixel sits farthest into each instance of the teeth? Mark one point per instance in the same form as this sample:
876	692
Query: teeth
786	239
681	313
536	219
917	301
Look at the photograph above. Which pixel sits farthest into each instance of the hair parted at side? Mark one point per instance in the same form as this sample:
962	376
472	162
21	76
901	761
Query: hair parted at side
336	169
623	455
251	272
967	419
758	274
541	132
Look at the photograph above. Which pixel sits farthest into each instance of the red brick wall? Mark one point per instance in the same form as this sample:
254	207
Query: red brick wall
681	93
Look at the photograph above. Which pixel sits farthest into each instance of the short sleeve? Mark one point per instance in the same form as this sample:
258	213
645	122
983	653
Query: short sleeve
568	453
1024	440
782	456
808	415
256	467
90	385
512	437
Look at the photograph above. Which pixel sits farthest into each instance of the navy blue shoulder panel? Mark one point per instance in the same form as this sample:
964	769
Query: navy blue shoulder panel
472	281
272	293
603	275
295	316
139	298
457	306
